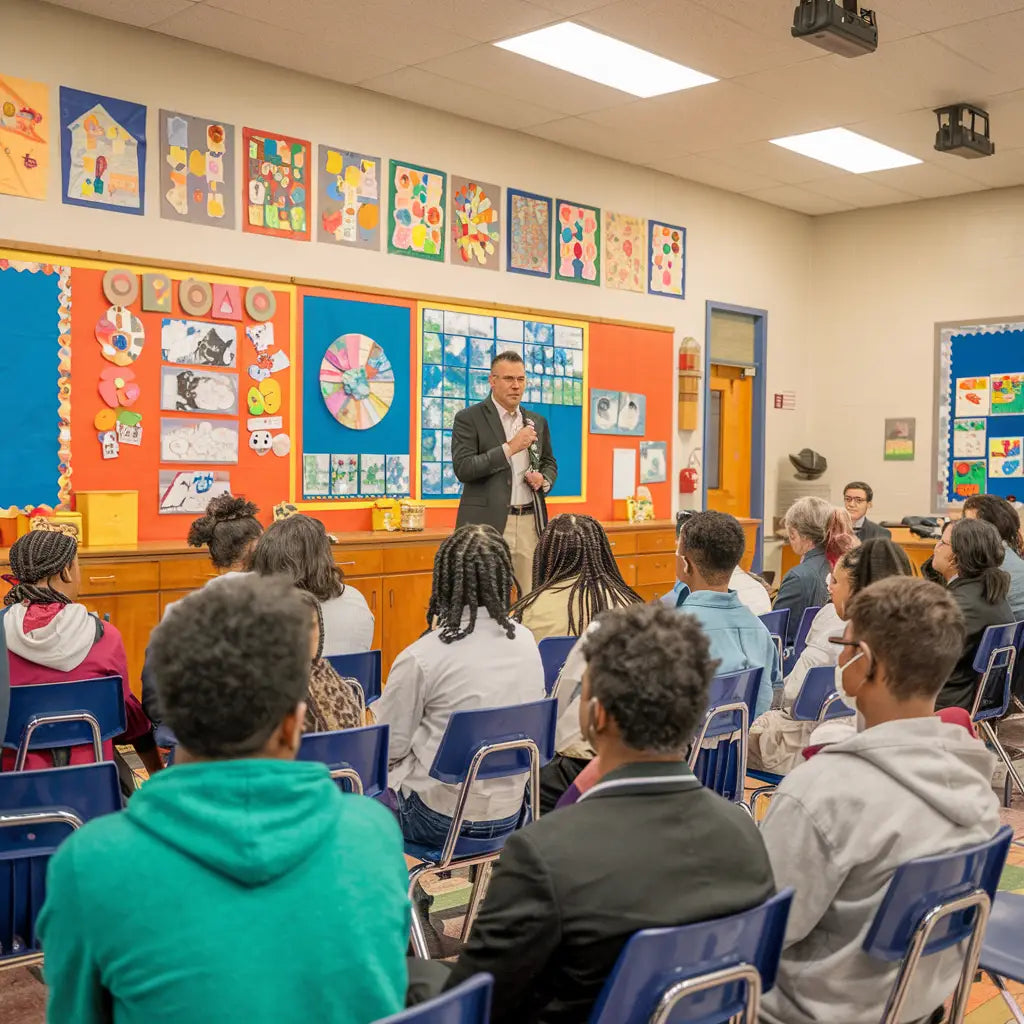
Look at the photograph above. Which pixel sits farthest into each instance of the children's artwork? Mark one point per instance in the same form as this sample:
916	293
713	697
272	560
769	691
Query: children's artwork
969	439
968	477
316	476
118	387
275	185
475	223
972	397
417	226
260	303
156	293
372	474
103	152
397	476
195	296
344	476
528	229
1007	394
203	441
24	137
197	170
653	462
189	491
348	187
356	381
1004	457
198	391
900	436
196	343
227	302
666	259
578	237
121	336
625	240
120	286
617	412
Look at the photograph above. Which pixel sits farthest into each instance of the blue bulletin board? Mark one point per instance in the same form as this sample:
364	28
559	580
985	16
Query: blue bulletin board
980	411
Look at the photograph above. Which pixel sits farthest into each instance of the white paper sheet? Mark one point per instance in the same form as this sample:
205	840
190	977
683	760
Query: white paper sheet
623	473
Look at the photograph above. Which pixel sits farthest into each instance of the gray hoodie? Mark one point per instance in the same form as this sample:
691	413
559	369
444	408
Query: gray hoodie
837	829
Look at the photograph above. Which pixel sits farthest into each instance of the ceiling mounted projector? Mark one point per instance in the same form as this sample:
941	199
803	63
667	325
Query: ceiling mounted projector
837	26
963	131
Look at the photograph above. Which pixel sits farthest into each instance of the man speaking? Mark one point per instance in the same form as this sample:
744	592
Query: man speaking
502	454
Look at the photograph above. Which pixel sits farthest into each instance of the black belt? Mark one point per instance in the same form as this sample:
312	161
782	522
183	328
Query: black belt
520	510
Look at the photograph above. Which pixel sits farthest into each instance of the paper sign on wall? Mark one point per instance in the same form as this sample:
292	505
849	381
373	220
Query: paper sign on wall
623	473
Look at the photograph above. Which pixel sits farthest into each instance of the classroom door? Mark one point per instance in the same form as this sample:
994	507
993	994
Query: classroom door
729	441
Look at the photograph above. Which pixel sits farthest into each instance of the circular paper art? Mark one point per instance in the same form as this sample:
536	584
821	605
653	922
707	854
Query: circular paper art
117	387
121	335
357	381
121	287
196	297
260	303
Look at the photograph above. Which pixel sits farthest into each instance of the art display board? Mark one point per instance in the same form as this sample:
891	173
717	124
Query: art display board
979	427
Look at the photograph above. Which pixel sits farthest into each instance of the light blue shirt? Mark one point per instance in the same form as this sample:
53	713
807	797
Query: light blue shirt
1013	566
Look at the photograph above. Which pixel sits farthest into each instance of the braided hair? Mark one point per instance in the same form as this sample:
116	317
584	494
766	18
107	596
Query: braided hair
574	549
34	558
472	569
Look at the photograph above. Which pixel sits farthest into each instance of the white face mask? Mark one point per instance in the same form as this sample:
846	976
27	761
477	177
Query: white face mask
850	702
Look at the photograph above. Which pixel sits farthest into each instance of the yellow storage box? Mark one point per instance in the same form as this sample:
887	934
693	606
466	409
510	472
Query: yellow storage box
111	518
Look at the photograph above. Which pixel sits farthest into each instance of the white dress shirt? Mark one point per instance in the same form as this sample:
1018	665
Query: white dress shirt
429	681
512	423
348	623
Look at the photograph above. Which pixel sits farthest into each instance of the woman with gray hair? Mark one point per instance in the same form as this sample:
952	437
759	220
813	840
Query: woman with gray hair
820	534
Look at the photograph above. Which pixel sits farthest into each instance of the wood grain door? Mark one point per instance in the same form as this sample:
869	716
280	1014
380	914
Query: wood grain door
728	444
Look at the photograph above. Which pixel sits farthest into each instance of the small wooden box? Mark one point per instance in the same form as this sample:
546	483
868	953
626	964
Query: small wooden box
111	518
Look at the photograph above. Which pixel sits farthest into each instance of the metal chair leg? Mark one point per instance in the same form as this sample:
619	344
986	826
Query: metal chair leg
417	931
1011	772
1018	1015
476	897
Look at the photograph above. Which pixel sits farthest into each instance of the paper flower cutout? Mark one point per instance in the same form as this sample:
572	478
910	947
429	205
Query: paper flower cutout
118	388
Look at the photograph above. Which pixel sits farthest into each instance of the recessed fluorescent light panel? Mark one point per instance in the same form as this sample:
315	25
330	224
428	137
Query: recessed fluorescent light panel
589	54
848	150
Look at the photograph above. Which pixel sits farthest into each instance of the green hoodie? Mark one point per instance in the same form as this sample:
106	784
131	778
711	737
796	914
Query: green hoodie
250	891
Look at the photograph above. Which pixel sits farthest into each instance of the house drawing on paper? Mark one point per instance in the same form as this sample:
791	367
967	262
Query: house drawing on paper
104	160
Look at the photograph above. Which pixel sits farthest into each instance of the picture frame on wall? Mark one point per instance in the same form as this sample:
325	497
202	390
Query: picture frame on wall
527	233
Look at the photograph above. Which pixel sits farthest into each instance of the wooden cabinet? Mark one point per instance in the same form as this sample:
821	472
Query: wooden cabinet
371	587
406	599
135	615
119	577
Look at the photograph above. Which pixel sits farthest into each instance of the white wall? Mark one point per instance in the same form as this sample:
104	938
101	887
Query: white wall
739	250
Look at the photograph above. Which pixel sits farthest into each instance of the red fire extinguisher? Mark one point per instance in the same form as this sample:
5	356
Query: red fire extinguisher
688	481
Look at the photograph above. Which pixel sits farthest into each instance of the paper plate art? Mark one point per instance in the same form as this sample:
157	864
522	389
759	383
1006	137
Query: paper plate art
357	381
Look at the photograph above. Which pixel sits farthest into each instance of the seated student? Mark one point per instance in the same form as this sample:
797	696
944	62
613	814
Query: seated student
908	785
969	557
298	547
52	639
820	534
575	576
776	740
472	656
858	497
647	848
1006	519
254	864
331	702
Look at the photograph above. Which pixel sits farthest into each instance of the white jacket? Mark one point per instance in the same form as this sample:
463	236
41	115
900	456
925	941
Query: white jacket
836	831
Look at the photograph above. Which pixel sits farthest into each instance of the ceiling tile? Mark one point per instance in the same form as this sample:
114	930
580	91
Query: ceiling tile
142	13
912	131
481	20
929	15
634	147
926	181
792	197
1004	169
712	172
858	190
569	8
783	165
993	43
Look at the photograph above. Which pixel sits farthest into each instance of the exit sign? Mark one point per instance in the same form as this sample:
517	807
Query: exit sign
785	399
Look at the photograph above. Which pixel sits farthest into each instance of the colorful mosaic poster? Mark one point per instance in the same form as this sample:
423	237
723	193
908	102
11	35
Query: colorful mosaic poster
528	229
578	237
417	226
275	185
625	240
348	195
666	259
103	152
476	230
197	170
24	137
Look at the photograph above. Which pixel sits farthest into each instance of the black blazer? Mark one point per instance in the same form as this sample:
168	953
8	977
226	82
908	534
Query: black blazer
479	462
869	531
803	587
571	888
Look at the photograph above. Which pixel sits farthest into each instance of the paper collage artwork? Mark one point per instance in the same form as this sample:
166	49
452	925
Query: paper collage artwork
475	223
196	343
198	391
357	381
202	441
197	170
103	151
666	259
348	186
617	412
1007	394
968	477
189	491
418	200
972	397
625	241
1004	457
653	462
275	185
528	229
24	137
578	240
969	439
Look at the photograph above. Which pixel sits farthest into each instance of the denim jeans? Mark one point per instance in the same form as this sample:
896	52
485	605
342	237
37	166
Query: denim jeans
427	827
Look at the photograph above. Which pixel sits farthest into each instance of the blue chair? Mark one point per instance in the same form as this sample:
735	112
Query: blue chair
357	758
486	743
48	715
931	905
1002	952
553	652
38	810
712	972
800	640
777	623
718	756
364	667
468	1003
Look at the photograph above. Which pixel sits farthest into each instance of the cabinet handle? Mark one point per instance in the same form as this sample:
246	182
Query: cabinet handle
101	579
373	600
391	599
345	563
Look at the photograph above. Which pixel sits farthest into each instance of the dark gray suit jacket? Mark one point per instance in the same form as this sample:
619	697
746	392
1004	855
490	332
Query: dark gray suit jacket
479	462
869	531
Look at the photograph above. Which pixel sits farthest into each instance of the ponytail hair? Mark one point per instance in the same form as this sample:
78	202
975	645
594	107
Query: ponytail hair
978	550
839	536
824	525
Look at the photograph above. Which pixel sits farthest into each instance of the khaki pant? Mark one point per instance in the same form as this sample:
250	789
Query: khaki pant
521	537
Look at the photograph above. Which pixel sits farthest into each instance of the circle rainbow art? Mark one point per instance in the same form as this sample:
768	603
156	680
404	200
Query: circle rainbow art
357	381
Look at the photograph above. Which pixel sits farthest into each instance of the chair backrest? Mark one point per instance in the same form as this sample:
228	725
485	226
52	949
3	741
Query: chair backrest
994	662
818	700
803	629
777	623
357	758
38	810
48	715
718	753
553	652
468	1003
933	903
365	667
739	954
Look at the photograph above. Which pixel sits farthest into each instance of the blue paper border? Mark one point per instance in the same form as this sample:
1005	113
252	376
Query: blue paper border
509	193
650	239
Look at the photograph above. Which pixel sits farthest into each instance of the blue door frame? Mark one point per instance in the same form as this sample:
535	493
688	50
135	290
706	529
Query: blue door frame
757	418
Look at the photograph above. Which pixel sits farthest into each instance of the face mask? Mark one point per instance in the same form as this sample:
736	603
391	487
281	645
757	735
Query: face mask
850	702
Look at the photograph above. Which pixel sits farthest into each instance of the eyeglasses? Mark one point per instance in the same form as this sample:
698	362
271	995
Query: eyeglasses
839	641
941	542
850	500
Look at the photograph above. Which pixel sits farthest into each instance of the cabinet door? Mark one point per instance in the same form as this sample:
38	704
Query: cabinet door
135	615
370	587
406	599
